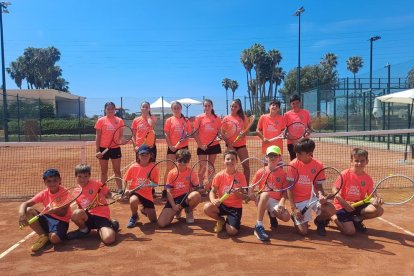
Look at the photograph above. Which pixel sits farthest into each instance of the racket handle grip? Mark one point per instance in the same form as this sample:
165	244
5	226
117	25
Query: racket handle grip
105	151
224	197
358	203
33	219
304	210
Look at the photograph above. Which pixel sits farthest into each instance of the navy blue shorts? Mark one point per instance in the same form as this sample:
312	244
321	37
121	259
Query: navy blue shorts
237	148
291	150
114	153
145	202
174	152
344	216
233	215
216	149
178	200
52	225
97	222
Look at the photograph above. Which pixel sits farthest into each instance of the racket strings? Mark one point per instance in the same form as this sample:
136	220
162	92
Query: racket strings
329	178
65	198
295	131
123	135
228	129
396	190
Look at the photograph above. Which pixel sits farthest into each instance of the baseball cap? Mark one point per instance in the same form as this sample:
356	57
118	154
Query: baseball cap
274	150
51	172
143	149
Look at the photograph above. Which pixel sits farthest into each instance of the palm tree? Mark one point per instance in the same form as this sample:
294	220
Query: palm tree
354	64
274	58
258	57
278	77
329	62
246	60
233	86
226	84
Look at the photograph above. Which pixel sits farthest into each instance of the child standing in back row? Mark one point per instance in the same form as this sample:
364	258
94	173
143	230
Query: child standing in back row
357	185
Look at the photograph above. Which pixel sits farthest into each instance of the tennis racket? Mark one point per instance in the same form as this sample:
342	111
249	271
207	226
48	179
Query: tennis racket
122	136
150	138
246	129
319	121
227	130
279	179
108	193
324	182
150	181
294	131
255	164
63	199
393	190
184	134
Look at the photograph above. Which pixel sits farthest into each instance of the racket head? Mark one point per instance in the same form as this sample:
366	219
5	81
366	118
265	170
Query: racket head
319	121
164	167
150	138
329	178
228	129
295	131
204	172
250	121
256	165
395	189
279	179
122	135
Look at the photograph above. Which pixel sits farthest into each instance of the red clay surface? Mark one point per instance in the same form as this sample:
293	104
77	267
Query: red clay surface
195	250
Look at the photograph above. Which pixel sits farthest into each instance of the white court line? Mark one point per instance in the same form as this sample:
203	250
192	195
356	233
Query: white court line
14	246
396	226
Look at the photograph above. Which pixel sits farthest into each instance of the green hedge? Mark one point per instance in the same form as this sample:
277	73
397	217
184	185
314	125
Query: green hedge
55	126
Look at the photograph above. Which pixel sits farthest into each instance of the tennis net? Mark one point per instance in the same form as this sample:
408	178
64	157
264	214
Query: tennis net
22	164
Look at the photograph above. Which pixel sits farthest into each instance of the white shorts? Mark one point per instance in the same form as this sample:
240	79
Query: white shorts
272	204
307	216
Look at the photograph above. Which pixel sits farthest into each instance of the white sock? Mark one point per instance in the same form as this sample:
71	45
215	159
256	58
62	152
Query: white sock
84	230
259	223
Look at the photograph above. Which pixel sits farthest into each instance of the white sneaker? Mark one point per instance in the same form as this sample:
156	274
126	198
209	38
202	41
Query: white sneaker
189	216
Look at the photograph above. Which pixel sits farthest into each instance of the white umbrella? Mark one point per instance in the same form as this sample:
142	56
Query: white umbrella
187	102
403	97
160	103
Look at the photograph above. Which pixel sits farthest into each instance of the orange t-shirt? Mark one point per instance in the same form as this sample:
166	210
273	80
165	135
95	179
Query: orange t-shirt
141	127
182	184
277	180
174	127
307	172
107	126
88	195
302	116
355	187
240	127
223	181
138	175
271	127
209	126
45	197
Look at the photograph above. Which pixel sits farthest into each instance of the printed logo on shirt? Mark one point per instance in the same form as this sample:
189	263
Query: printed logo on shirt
313	170
363	183
90	191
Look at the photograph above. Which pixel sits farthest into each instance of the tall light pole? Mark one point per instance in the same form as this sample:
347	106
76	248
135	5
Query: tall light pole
3	7
298	13
371	40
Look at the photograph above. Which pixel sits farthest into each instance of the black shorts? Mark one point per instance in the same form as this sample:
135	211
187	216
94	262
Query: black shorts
114	153
145	202
216	149
237	148
233	215
97	222
178	200
50	224
174	152
291	150
344	216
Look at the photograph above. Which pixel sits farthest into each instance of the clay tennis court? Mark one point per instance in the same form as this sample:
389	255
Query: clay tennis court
387	247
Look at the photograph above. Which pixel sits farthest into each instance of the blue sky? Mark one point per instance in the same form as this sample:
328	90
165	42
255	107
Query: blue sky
145	49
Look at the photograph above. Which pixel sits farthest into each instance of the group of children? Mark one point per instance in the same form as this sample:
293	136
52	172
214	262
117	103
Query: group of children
227	214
